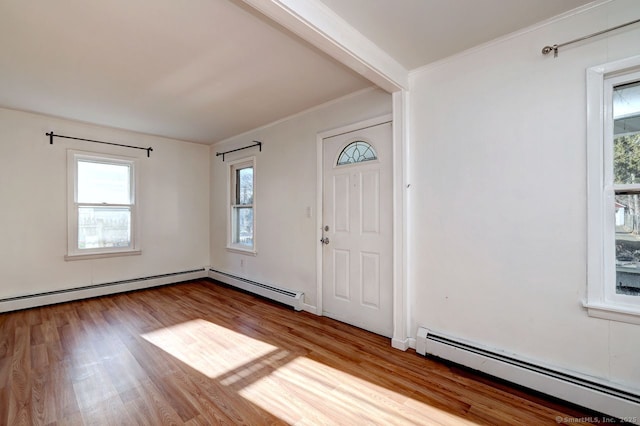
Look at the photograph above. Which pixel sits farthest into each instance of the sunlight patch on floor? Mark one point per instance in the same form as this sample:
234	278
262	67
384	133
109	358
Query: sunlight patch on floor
294	388
211	349
292	393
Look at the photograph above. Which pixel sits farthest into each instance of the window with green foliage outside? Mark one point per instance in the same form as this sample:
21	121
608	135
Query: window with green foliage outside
626	177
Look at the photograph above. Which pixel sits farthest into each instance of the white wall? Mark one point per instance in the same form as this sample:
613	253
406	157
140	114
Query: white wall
173	205
498	194
286	186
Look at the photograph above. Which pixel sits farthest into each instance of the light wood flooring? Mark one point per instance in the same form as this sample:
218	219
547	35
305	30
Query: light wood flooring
201	353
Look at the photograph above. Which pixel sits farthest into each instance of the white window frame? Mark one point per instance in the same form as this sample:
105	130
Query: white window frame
231	206
602	300
73	206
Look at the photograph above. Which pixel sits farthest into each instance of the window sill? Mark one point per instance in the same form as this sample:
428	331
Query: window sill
248	252
88	256
628	314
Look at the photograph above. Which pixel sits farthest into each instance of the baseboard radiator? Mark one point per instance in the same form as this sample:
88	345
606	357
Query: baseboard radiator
585	391
291	298
95	290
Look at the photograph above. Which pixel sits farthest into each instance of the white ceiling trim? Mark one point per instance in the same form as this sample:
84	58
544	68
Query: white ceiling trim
317	24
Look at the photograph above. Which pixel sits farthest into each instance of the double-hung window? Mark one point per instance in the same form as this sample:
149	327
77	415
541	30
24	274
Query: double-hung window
613	151
101	205
242	205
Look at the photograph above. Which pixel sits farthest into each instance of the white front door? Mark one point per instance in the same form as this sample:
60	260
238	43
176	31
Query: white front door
357	259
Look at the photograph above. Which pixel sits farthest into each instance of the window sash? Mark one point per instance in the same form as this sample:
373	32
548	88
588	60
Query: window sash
103	227
237	222
239	195
98	189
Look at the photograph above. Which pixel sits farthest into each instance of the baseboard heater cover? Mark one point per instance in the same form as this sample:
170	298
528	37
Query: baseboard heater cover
585	391
291	298
94	290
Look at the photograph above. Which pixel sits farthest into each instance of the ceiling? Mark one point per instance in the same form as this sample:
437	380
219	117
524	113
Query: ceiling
196	70
206	70
418	32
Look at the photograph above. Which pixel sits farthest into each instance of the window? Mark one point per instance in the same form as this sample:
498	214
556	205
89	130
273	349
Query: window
613	152
356	152
242	206
102	207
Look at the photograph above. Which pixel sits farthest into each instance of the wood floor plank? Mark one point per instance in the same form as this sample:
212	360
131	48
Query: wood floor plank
199	353
40	414
19	410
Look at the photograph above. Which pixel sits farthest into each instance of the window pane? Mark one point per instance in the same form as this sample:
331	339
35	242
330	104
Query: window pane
356	152
104	183
104	227
626	142
627	221
243	226
244	186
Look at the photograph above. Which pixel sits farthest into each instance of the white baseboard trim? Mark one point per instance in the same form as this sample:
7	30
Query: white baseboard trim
293	298
590	392
310	308
95	290
400	344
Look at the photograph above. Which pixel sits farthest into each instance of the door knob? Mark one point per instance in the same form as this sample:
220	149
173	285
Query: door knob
324	240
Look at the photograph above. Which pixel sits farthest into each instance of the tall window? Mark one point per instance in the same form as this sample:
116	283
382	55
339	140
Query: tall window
625	133
102	207
614	190
242	207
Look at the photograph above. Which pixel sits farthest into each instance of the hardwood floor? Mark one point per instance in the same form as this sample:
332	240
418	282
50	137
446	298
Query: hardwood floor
200	353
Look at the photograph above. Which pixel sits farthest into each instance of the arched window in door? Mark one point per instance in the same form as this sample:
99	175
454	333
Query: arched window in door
357	152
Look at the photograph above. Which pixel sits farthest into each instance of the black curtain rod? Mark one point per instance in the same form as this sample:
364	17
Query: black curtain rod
256	143
51	136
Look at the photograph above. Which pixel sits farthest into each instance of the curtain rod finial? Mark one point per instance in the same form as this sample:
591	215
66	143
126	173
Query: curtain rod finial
548	49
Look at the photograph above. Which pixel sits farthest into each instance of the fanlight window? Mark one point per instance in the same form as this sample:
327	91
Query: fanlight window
357	152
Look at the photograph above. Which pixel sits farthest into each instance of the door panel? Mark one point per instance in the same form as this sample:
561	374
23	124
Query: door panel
370	211
370	273
341	203
342	277
357	259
